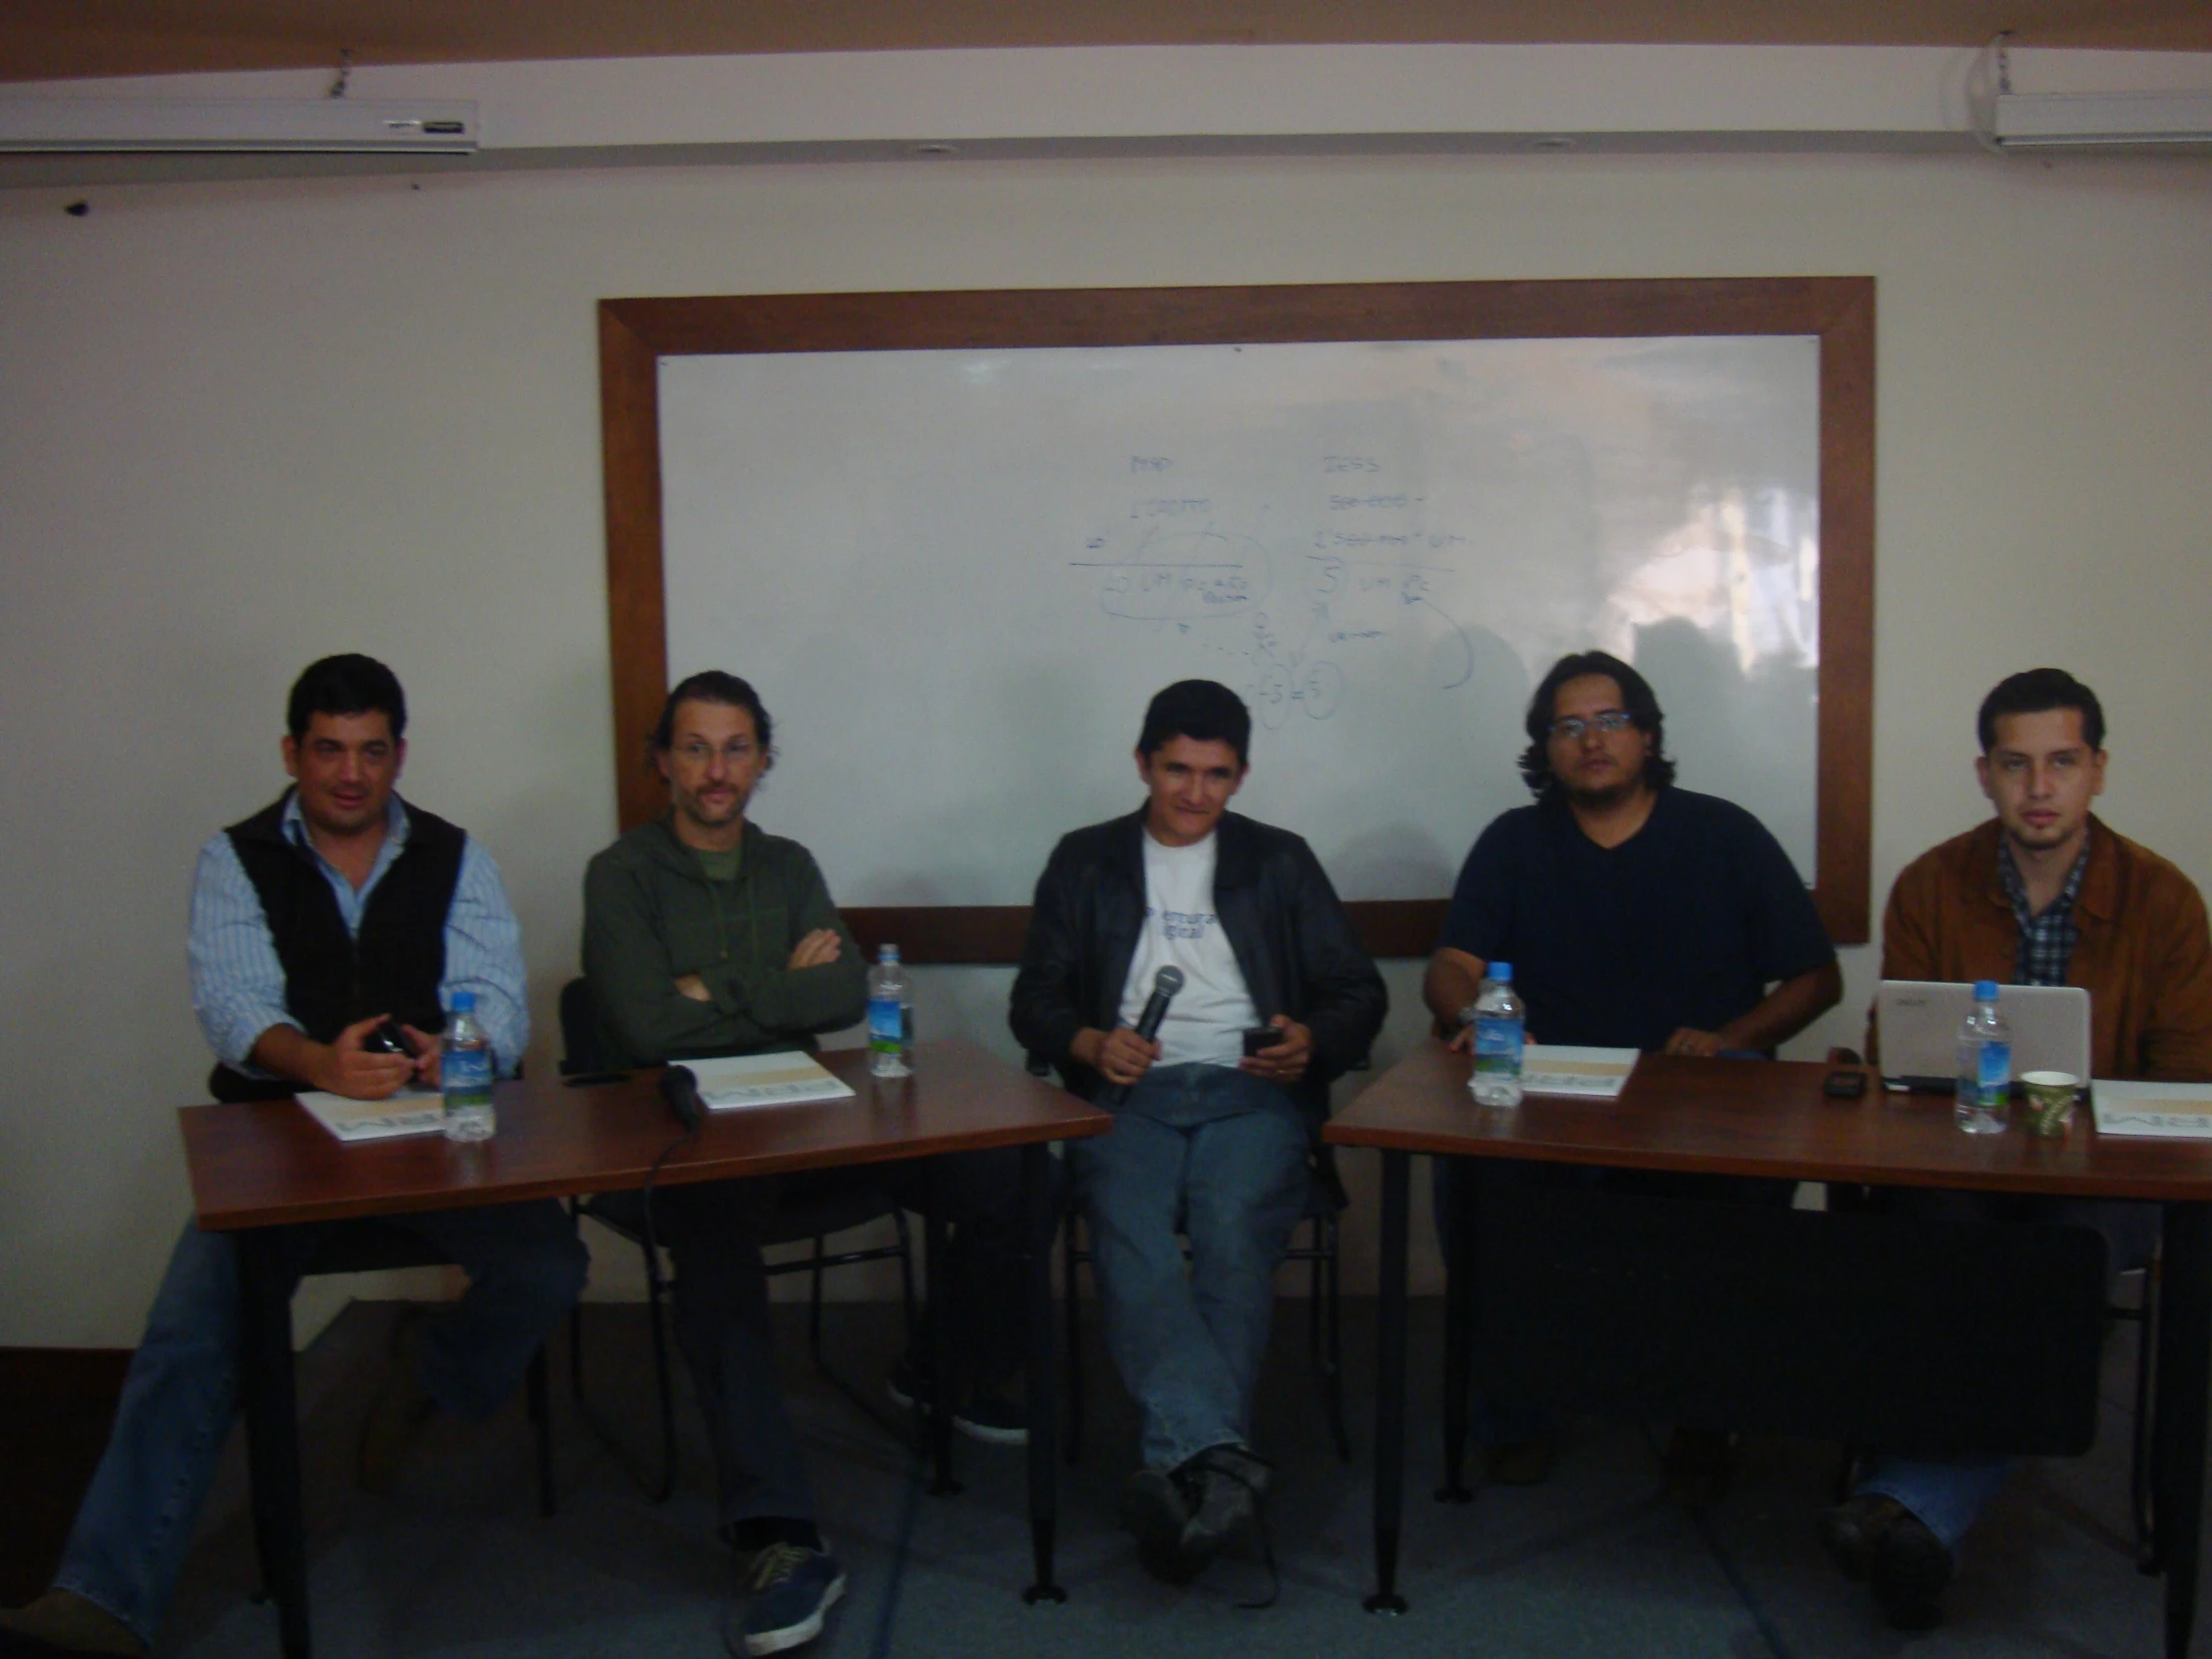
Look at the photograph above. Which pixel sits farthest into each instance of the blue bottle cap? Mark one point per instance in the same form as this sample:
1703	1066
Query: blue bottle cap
464	1003
1503	973
1984	990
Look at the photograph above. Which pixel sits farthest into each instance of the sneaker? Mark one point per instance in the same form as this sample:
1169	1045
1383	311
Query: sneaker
61	1621
1911	1570
1229	1482
1698	1468
987	1416
992	1418
1156	1507
791	1588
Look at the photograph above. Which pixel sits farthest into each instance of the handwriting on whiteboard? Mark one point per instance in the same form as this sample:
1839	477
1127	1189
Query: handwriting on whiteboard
1304	610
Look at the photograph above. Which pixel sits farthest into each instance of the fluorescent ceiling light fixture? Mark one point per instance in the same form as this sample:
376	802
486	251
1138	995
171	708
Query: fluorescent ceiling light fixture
303	125
2053	120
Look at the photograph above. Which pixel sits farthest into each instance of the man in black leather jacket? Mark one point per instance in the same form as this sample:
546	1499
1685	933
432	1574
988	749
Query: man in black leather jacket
1215	1115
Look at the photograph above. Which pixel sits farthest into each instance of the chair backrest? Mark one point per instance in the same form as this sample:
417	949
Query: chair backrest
582	1048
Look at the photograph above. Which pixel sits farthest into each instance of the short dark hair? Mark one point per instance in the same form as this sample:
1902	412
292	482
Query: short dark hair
1636	692
2038	691
350	684
714	685
1205	711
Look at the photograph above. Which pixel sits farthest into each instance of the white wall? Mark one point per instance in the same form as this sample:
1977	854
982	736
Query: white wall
242	425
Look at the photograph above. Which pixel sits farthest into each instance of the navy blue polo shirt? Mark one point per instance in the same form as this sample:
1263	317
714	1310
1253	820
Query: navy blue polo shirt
1687	923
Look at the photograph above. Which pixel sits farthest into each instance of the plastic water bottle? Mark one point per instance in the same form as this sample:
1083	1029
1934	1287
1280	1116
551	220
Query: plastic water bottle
465	1070
1498	1021
1984	1064
886	1015
907	1026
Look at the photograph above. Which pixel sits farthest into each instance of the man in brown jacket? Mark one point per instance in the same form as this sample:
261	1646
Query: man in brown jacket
2042	895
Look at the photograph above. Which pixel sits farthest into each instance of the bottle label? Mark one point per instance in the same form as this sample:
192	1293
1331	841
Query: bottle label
886	1025
1497	1046
1994	1073
466	1076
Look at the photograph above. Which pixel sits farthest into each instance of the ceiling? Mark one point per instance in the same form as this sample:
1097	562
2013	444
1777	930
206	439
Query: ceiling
60	39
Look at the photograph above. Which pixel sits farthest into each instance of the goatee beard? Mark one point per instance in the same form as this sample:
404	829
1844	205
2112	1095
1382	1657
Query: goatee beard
1608	795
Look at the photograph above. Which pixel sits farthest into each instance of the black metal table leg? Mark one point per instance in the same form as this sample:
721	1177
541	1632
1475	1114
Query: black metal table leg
273	1433
942	1359
2184	1366
1389	1384
1459	1234
1044	1470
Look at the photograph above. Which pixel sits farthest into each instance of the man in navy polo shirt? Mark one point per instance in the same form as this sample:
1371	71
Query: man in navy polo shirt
1635	914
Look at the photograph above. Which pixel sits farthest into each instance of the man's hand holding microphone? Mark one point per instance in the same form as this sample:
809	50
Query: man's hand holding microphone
1121	1055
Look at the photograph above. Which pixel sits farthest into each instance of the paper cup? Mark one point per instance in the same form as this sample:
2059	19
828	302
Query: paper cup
2050	1101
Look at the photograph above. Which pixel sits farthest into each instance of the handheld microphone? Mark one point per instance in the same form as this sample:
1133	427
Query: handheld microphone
679	1088
1164	984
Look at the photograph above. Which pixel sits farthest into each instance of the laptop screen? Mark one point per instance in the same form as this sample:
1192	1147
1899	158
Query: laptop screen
1918	1019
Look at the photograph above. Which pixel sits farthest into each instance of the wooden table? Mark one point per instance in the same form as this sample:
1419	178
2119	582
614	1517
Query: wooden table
1770	1119
265	1166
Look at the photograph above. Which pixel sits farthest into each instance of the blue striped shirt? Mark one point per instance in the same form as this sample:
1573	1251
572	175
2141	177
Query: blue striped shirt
237	982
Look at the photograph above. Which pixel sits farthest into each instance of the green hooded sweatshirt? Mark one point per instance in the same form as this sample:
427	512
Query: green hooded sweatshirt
651	916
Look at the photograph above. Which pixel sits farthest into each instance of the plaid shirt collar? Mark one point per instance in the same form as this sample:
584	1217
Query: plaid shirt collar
2047	941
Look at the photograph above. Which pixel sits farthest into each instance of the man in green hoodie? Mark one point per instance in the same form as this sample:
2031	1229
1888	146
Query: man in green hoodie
706	936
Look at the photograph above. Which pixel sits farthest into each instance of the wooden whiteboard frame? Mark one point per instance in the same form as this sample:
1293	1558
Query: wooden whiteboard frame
634	335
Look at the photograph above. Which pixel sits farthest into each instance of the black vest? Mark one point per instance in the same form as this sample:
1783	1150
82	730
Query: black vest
334	978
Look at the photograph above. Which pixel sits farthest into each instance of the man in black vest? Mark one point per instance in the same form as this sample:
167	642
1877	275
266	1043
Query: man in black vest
314	922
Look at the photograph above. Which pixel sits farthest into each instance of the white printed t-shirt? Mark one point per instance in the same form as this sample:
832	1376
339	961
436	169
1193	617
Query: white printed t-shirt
1210	1014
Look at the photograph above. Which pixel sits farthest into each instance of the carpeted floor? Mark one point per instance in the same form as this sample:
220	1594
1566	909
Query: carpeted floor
458	1562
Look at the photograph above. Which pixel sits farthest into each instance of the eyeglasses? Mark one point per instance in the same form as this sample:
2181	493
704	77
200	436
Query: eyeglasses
697	753
1574	726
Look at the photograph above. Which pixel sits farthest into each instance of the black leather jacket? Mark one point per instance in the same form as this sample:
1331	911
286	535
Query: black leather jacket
1290	937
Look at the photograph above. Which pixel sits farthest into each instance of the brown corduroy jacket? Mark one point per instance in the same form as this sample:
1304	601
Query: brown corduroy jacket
2144	953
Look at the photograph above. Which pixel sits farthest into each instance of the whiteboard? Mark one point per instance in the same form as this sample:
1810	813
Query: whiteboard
957	576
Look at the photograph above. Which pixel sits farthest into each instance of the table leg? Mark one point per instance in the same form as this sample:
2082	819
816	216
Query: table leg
2178	1429
1389	1384
273	1433
1459	1325
1044	1404
940	1291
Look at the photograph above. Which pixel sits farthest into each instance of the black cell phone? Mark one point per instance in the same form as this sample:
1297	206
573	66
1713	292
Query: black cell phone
388	1038
1258	1037
1840	1084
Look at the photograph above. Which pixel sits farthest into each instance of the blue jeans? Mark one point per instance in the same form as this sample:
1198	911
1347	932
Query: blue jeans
1222	1156
1949	1494
525	1268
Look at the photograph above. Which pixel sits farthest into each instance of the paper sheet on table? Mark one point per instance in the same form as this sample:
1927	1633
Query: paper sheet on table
741	1080
2153	1111
376	1120
1587	1073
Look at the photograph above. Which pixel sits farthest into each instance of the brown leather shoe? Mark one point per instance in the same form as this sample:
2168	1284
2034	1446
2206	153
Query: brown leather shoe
1526	1463
1910	1572
1850	1531
1698	1468
399	1413
61	1621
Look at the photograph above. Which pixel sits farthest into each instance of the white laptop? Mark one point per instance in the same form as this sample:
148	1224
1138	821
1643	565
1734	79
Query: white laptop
1919	1021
